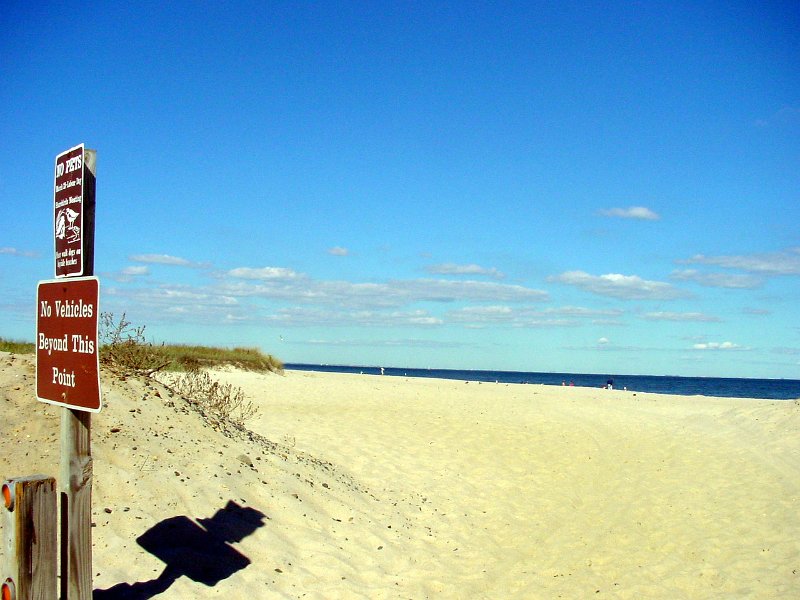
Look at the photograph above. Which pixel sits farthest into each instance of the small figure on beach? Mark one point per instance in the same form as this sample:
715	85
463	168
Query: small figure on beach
610	384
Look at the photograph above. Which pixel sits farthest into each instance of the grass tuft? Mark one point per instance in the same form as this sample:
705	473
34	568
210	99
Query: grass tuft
17	347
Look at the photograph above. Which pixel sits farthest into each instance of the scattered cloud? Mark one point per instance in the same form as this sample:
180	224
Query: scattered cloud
786	351
365	318
282	295
624	287
135	271
264	273
338	251
717	346
443	290
284	284
472	269
389	343
609	347
176	304
785	262
580	311
632	212
526	317
166	259
678	316
603	341
20	253
756	311
128	273
720	280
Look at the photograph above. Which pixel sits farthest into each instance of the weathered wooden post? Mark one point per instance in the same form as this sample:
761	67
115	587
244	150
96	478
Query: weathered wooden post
30	526
67	358
76	505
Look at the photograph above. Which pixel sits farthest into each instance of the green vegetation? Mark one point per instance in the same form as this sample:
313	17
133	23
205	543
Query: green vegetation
188	358
124	350
123	347
17	347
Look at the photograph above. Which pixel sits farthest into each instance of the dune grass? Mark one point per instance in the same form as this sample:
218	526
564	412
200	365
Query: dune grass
132	350
123	346
16	347
186	358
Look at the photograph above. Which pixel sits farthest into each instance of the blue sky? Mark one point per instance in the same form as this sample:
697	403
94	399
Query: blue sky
577	187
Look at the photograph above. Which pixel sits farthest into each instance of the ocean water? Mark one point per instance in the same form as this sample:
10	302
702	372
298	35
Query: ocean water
769	389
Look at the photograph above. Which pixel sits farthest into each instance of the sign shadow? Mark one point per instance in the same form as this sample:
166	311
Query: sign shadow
200	550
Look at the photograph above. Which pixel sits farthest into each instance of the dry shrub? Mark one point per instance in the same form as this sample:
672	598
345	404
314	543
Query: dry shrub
222	399
125	350
123	347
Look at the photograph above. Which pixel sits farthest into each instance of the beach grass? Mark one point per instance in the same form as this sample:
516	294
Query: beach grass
179	357
186	358
16	347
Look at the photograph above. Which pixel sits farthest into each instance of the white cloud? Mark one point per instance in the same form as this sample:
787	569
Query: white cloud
388	343
175	303
165	259
276	284
471	269
264	273
632	212
603	341
128	273
684	316
785	262
624	287
442	290
281	295
338	251
721	280
717	346
525	317
135	271
17	252
580	311
294	316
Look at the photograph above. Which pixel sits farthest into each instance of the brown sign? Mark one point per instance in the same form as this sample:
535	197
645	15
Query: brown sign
73	211
67	350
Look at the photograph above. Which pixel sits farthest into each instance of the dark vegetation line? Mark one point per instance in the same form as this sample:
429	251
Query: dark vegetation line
121	342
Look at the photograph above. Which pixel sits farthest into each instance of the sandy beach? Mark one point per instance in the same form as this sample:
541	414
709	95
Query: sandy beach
357	486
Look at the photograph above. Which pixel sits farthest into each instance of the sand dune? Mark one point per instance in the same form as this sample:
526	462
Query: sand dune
352	486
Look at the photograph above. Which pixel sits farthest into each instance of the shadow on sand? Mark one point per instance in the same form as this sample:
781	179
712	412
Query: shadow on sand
200	550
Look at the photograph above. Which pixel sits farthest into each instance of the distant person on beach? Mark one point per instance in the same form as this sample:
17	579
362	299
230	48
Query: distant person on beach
610	384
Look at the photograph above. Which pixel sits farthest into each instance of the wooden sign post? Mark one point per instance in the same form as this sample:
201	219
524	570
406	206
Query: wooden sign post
68	358
29	516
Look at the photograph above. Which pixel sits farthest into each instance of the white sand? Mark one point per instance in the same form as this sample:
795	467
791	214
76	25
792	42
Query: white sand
384	487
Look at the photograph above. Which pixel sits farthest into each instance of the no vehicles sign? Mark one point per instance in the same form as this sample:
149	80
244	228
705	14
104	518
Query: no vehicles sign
67	351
